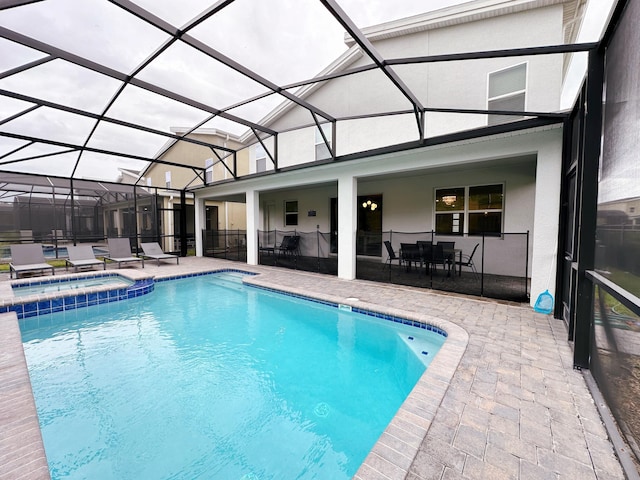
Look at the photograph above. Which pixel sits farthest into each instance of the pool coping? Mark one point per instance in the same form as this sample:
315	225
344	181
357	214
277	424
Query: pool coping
390	457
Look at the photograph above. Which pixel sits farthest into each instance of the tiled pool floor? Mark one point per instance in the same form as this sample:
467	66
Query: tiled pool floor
502	401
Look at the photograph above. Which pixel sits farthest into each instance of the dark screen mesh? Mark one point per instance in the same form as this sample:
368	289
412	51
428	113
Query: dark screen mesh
615	359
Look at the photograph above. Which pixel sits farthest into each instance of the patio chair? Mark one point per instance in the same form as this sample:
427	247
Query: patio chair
426	253
391	255
82	256
447	245
410	253
467	261
290	245
440	257
154	251
120	252
28	258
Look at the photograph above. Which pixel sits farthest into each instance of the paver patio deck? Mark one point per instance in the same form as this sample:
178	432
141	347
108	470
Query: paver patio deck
514	408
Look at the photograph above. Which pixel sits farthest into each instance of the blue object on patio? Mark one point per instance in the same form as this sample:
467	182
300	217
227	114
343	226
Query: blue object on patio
544	303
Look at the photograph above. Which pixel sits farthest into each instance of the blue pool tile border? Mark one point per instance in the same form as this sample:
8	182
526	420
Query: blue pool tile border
145	286
202	274
72	302
363	311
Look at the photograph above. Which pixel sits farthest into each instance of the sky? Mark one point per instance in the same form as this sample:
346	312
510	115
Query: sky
283	41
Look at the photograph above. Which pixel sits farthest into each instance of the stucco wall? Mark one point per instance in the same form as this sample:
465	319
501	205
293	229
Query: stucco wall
461	84
408	206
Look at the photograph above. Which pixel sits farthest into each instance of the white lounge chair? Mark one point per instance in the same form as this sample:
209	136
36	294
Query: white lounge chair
82	256
120	252
28	258
152	250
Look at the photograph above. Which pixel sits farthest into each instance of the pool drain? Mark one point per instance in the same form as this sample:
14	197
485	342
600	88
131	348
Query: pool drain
321	410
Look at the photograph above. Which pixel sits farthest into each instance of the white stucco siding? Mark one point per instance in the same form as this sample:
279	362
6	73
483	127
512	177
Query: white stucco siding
365	134
312	198
296	147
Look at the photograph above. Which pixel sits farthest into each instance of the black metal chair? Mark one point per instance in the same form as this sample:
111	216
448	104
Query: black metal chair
467	261
448	248
410	253
426	253
290	245
391	255
440	257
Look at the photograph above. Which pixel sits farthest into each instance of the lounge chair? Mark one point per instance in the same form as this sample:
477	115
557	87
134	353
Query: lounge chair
152	250
120	252
28	258
82	256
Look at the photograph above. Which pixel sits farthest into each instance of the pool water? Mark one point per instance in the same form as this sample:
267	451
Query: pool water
207	378
50	251
52	286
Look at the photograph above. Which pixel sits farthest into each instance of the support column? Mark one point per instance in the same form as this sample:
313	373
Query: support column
183	223
253	222
347	225
201	223
545	217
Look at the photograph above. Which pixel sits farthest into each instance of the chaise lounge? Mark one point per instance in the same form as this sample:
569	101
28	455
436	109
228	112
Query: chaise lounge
120	252
28	258
153	251
82	256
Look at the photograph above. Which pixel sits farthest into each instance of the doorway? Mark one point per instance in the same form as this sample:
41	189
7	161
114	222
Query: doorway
369	226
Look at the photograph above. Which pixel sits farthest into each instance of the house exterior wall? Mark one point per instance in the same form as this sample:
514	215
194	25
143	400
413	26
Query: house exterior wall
316	198
408	205
195	155
230	215
462	84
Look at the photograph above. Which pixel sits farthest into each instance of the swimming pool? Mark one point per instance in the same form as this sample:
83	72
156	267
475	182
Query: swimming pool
207	378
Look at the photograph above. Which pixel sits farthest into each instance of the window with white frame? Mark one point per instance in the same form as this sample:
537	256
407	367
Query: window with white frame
322	150
167	179
291	212
475	210
261	158
507	91
208	173
450	205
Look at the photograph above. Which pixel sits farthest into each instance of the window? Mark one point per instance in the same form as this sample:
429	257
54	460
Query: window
479	208
450	211
261	158
208	173
291	212
167	179
322	151
485	210
507	90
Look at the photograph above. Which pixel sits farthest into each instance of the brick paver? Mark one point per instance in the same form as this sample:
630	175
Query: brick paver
503	402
